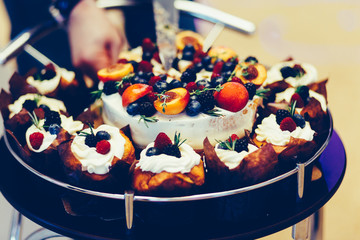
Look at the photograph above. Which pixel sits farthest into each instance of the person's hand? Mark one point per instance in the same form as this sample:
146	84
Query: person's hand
95	43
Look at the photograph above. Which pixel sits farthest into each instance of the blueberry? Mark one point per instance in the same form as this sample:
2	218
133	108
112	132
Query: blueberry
198	67
226	74
141	74
54	129
138	79
206	60
193	97
147	56
153	151
44	107
288	72
147	109
299	120
189	48
209	67
189	56
163	76
188	76
204	83
102	135
175	63
228	66
251	59
193	108
175	84
160	86
29	105
133	109
149	75
49	74
217	81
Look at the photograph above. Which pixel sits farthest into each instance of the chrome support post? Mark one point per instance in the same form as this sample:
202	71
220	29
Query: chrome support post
43	234
129	208
15	228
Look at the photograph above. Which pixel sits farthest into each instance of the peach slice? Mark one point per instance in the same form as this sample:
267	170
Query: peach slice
173	102
115	72
134	92
255	73
222	52
233	97
189	37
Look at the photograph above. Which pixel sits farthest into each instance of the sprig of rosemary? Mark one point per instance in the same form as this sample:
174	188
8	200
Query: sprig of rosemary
213	113
227	144
292	108
35	120
148	120
84	134
261	92
97	93
177	140
218	88
163	97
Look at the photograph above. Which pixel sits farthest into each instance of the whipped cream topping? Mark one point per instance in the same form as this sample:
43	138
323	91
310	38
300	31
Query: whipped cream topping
232	159
158	163
70	125
92	161
194	129
274	74
269	131
53	104
47	141
287	94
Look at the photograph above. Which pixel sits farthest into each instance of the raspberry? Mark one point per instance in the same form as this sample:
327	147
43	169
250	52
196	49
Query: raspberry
234	137
299	69
215	75
144	66
288	124
122	60
218	67
103	147
147	45
281	114
241	145
156	56
251	88
191	86
152	97
50	67
36	139
153	80
162	140
299	102
172	150
197	60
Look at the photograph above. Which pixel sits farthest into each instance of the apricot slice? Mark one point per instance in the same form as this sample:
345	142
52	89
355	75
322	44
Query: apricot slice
189	37
232	97
115	72
224	53
134	92
248	72
173	101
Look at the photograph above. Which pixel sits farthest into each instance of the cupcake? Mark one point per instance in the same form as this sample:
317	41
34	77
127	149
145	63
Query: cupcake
98	158
168	168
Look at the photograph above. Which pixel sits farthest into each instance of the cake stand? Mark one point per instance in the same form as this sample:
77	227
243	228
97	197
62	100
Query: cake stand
41	202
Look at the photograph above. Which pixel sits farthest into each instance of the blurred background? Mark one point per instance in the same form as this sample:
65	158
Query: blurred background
325	33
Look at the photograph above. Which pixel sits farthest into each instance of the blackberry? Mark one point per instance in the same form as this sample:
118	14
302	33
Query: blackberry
288	72
188	76
110	87
51	117
207	101
251	59
91	140
172	150
281	114
29	105
251	88
241	145
45	108
147	109
303	91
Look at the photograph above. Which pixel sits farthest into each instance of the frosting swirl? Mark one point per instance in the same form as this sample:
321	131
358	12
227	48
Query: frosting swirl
232	159
92	161
158	163
270	132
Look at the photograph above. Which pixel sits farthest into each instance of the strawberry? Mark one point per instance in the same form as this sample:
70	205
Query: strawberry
145	66
191	86
153	80
218	67
299	102
162	140
103	147
36	139
147	45
288	124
